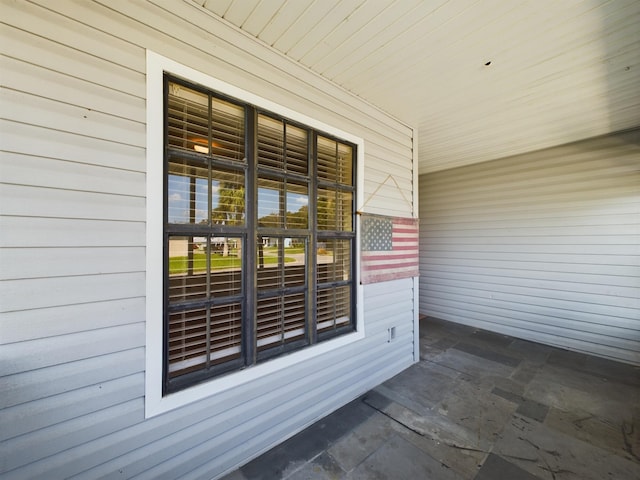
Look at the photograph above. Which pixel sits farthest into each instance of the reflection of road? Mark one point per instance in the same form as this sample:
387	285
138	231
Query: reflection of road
299	258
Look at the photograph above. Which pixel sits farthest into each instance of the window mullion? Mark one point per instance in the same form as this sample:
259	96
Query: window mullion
208	248
249	334
312	255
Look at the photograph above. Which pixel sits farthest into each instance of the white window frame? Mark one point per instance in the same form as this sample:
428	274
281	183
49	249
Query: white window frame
155	402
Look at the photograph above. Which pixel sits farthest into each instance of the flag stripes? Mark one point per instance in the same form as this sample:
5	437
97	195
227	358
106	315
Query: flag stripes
389	248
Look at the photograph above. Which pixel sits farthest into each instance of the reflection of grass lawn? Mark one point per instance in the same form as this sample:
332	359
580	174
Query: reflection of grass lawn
218	262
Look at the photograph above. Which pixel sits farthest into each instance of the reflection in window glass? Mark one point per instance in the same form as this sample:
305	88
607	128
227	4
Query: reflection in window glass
227	197
333	308
187	192
327	167
188	112
270	142
333	260
269	260
345	164
297	206
344	211
203	267
269	203
326	208
282	287
297	150
227	126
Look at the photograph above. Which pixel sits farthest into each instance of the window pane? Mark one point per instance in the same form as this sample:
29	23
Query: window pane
335	162
335	210
187	268
269	263
197	344
342	297
227	130
297	206
333	260
297	150
226	266
327	164
187	341
188	119
226	332
295	254
333	308
294	320
345	164
326	208
227	197
269	195
269	322
187	192
344	211
270	142
280	320
281	262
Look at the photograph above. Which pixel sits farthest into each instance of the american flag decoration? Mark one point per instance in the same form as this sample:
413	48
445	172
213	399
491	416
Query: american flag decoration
389	248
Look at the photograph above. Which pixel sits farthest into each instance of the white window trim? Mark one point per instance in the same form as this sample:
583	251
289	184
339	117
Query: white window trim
155	403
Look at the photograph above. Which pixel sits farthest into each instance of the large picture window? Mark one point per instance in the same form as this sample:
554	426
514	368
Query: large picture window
259	235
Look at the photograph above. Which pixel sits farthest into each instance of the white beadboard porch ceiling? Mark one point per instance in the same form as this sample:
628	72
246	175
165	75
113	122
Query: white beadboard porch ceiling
480	79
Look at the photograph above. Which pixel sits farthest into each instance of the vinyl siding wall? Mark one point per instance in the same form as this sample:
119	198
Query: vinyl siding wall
72	282
543	246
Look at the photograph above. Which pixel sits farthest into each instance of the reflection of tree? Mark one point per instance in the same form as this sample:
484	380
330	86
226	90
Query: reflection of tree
299	219
271	220
326	211
230	209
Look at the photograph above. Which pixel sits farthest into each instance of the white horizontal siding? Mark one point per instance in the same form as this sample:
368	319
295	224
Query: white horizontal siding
33	416
72	223
23	263
45	352
543	246
26	77
64	232
27	386
66	319
29	109
22	140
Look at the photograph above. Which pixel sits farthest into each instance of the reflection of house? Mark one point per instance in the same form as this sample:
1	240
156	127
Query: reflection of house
180	247
269	241
274	241
542	246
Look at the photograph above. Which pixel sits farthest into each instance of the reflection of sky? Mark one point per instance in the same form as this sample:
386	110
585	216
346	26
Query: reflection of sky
179	199
268	203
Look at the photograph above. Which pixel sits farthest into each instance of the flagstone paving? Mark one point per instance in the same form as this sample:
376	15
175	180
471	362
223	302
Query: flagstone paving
478	406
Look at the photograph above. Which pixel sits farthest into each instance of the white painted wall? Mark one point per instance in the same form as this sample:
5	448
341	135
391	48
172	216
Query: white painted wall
72	238
543	246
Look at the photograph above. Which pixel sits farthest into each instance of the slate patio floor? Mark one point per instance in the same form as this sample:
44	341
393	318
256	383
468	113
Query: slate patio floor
478	406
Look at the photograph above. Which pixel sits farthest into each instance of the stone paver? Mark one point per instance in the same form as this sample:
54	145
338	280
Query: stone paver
478	406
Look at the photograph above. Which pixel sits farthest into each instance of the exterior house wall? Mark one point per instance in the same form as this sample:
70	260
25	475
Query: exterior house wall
72	327
543	246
